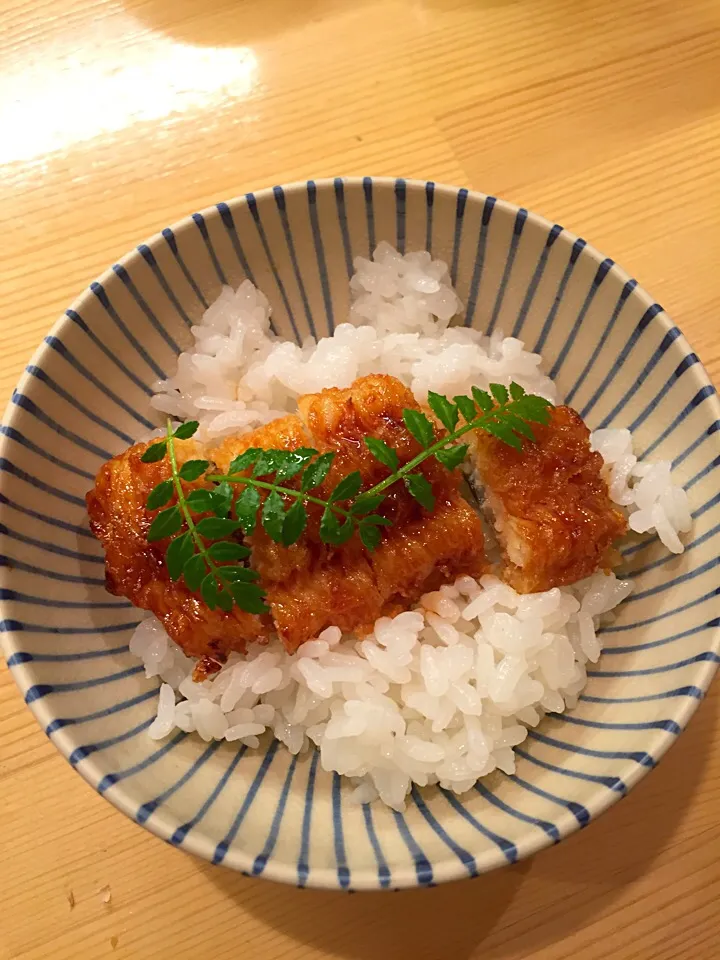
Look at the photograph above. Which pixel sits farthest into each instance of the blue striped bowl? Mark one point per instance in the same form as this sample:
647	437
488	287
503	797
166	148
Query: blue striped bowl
616	356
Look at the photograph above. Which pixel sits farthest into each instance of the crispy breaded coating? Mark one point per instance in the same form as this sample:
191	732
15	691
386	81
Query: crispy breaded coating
136	569
312	585
555	519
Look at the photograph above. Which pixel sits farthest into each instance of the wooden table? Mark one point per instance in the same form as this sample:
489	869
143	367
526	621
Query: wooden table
120	116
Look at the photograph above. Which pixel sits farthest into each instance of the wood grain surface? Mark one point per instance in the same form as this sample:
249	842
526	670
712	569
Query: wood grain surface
120	116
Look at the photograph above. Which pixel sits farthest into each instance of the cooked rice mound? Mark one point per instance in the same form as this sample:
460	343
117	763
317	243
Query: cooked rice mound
441	692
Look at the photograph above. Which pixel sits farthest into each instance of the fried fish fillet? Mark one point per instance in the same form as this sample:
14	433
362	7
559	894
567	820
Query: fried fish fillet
136	569
553	512
309	585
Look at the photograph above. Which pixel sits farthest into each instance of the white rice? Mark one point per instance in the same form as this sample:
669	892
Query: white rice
440	694
653	501
240	375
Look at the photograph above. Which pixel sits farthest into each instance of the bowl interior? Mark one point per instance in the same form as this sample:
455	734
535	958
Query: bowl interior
616	357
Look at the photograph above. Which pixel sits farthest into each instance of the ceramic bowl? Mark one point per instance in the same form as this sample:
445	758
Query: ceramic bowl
617	358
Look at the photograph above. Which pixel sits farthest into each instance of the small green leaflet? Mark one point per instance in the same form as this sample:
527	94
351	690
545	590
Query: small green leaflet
225	550
467	408
192	469
235	573
272	461
225	599
294	463
160	495
366	504
154	452
382	452
178	554
483	399
347	488
249	597
317	471
214	528
332	531
535	409
419	426
294	523
376	520
516	391
200	501
452	456
222	499
419	487
446	412
193	572
273	515
499	392
186	430
503	432
165	524
370	536
209	590
519	426
244	460
215	594
246	508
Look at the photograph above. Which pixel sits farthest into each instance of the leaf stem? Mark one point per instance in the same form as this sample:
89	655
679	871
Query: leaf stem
476	424
284	491
182	503
503	414
394	477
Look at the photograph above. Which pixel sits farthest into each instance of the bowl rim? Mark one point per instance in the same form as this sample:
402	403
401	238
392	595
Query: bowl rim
162	824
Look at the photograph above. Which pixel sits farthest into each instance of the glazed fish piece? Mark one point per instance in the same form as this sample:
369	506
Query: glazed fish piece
553	514
136	569
311	585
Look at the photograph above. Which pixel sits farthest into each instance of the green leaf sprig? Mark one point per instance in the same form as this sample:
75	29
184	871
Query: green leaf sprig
213	567
210	568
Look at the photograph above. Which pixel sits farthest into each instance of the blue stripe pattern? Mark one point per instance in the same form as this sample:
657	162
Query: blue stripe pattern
423	867
535	280
429	200
253	208
576	250
29	406
101	295
459	215
222	848
602	272
479	263
320	254
182	831
169	238
262	858
149	258
85	396
115	360
383	870
339	188
12	434
520	219
343	873
229	223
199	221
282	210
464	856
